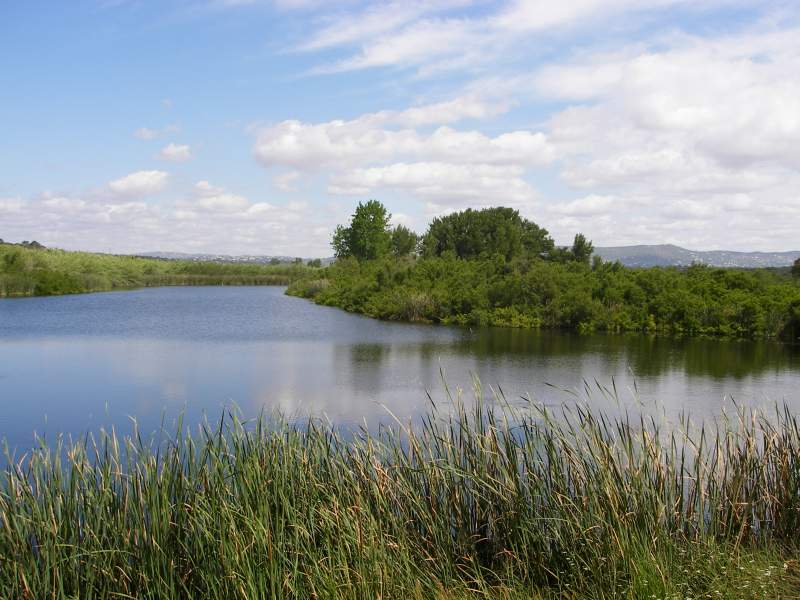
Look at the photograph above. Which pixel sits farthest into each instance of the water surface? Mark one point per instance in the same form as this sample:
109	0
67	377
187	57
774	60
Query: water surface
73	364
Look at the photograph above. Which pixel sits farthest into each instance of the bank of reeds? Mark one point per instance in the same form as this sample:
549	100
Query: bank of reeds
46	272
488	501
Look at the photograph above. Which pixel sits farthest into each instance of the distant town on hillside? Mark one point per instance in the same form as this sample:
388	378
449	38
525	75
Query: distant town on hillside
658	255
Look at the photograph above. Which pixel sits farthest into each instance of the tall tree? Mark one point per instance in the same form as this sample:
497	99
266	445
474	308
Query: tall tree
796	268
368	236
582	249
486	232
404	241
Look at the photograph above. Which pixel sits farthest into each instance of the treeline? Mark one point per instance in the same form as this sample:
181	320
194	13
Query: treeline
32	271
491	267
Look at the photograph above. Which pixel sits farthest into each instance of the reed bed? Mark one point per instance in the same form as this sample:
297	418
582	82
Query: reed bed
476	499
47	272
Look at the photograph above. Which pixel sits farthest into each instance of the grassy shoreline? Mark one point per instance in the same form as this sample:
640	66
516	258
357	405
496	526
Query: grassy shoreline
476	501
47	272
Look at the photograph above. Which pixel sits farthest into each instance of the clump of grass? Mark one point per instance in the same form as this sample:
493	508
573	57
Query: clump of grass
487	500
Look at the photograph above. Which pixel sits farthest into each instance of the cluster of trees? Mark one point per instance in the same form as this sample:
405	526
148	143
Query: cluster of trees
467	235
492	267
369	235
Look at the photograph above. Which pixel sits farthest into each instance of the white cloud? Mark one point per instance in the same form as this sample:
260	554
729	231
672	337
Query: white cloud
139	183
216	199
224	203
415	45
204	188
148	133
285	181
309	146
443	184
9	205
207	219
175	153
693	140
538	15
432	37
63	203
373	21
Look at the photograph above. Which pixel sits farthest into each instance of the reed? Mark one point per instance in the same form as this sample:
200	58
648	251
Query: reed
476	499
47	272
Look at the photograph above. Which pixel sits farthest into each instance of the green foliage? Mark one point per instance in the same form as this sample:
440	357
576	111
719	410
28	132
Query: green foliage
486	232
492	267
581	249
796	268
316	263
496	501
31	271
404	241
368	236
531	292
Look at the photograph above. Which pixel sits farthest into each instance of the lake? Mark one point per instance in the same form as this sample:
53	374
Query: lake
73	364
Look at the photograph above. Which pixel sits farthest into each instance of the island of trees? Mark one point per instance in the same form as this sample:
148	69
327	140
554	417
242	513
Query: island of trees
494	267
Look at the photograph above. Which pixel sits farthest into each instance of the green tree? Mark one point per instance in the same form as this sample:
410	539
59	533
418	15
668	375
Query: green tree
404	241
486	232
368	236
796	269
316	262
582	249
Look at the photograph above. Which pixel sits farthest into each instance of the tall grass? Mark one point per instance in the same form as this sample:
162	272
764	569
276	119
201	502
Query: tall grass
35	272
486	500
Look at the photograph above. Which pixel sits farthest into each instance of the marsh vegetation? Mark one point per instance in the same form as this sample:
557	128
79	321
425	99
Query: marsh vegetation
37	271
473	500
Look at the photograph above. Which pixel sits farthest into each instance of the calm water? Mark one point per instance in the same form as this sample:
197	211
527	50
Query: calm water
77	363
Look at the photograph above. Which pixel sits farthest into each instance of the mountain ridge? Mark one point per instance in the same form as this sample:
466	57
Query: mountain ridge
670	255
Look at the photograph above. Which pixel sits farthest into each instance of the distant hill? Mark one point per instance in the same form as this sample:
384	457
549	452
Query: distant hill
227	258
664	255
661	255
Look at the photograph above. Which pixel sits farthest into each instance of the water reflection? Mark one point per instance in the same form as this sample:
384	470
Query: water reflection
91	361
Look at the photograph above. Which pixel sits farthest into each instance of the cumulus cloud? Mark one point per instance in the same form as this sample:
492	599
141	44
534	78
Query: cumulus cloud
206	218
215	199
694	140
443	184
175	152
139	183
344	143
670	137
682	138
445	167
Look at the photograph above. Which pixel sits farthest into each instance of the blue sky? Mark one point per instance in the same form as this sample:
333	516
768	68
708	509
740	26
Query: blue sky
247	126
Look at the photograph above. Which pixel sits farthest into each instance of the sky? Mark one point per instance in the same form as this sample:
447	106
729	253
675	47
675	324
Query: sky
255	127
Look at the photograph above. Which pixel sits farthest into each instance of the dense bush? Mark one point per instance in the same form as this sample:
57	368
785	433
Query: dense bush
531	292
